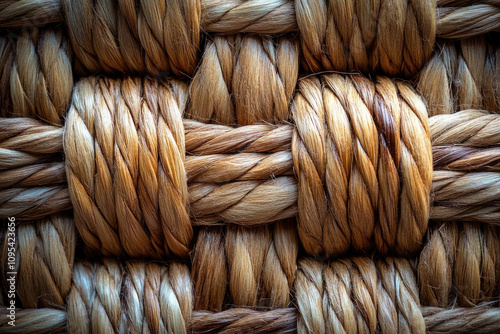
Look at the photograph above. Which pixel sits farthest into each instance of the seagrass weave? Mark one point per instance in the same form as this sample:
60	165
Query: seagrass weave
250	166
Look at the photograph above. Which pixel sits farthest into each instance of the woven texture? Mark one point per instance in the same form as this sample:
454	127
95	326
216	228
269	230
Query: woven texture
249	166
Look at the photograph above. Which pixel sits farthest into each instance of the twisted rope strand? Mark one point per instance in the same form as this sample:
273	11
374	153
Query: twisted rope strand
36	74
226	89
462	75
45	254
459	19
449	276
245	79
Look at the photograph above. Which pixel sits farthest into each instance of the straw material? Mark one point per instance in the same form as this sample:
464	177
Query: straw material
250	166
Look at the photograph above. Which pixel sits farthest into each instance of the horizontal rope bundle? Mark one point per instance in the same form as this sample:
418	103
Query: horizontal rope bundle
244	193
462	19
45	251
19	13
358	294
455	18
56	236
394	37
44	262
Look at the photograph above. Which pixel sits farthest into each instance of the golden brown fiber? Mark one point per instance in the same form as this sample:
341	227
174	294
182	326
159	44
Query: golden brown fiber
363	159
260	198
346	178
467	195
454	18
18	13
44	261
471	129
358	295
136	297
124	148
245	79
260	266
32	170
459	265
467	18
395	37
480	320
135	36
471	138
36	77
257	16
210	201
462	75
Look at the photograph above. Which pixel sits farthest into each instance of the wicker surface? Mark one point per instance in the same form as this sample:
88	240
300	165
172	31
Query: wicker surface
209	166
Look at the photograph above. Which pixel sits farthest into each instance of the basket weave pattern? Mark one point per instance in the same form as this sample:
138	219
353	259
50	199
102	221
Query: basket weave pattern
250	166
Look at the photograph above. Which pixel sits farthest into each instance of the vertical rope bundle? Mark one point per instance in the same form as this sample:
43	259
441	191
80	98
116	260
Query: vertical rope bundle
363	158
135	36
36	76
358	295
138	297
395	37
462	75
261	264
45	250
124	147
449	275
245	79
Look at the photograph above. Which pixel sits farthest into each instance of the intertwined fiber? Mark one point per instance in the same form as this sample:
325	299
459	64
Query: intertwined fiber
249	166
36	74
395	37
385	302
254	188
125	37
245	79
463	74
145	164
45	250
357	294
361	147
